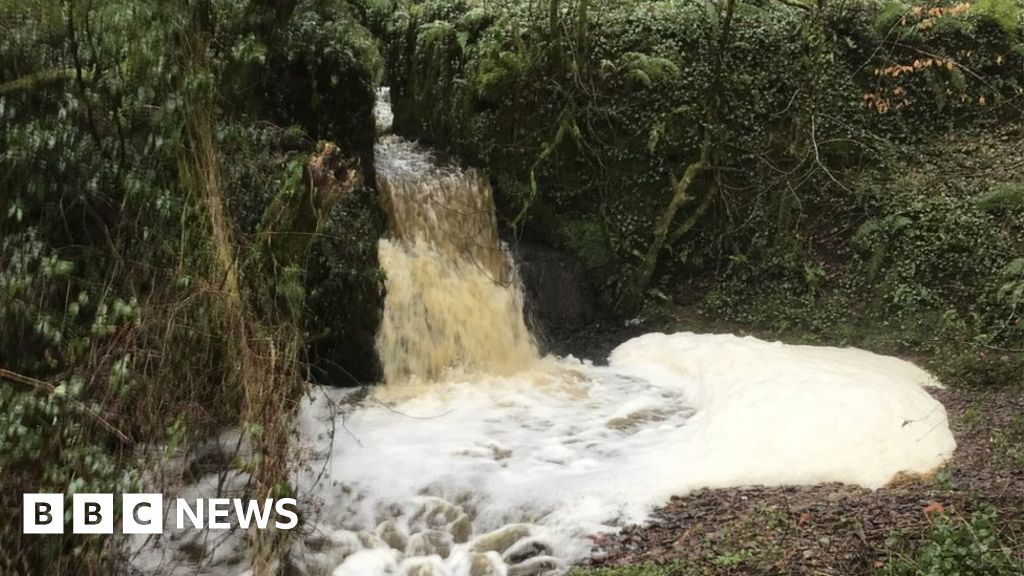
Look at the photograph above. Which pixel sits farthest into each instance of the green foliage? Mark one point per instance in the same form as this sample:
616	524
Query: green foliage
954	545
109	313
647	70
1004	196
1007	13
344	299
1009	442
41	441
583	134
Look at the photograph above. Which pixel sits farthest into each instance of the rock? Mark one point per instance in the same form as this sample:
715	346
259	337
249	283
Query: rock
370	540
435	513
501	539
535	566
421	569
526	549
462	529
392	534
429	543
557	290
346	542
484	564
364	562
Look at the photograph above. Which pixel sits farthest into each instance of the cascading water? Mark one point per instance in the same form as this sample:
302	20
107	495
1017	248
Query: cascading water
505	463
453	296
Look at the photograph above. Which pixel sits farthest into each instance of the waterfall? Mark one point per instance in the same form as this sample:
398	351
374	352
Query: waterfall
454	300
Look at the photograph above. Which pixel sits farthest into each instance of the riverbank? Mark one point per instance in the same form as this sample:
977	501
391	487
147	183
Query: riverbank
839	529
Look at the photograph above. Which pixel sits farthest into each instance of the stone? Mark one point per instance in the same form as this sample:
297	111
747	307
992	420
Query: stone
392	534
526	549
461	529
371	540
435	513
346	542
483	565
501	539
535	566
421	569
428	543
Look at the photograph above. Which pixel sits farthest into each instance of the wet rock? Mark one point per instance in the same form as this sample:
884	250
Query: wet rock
435	513
392	534
369	540
484	564
365	562
501	539
421	569
526	549
461	529
535	566
429	543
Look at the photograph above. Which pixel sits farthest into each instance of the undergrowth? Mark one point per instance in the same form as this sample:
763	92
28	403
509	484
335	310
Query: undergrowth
956	545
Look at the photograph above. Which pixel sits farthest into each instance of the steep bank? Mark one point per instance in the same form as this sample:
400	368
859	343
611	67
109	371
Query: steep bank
815	219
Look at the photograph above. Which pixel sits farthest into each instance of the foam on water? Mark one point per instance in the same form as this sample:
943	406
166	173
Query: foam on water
568	449
479	458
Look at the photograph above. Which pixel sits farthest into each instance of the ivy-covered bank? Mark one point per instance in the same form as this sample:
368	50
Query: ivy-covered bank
847	172
186	237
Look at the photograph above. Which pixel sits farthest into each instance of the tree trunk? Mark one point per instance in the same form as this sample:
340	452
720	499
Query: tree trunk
633	297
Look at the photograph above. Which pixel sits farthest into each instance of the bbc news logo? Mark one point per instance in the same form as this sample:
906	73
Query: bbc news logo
144	513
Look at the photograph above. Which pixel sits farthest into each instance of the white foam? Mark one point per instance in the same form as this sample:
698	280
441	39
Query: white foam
573	449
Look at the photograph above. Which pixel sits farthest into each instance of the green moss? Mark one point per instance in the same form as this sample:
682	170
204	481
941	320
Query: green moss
1007	13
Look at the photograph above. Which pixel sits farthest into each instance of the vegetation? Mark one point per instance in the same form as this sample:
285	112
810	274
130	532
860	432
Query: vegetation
143	299
792	160
956	545
188	222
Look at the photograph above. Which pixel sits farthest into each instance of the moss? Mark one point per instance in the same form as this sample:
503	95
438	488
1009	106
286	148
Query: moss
1007	13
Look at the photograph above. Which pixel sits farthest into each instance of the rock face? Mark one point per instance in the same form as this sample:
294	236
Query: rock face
557	291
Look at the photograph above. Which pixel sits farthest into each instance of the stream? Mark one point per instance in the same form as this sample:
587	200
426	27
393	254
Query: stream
477	456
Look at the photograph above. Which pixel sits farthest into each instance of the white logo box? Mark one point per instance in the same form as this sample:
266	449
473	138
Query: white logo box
43	513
